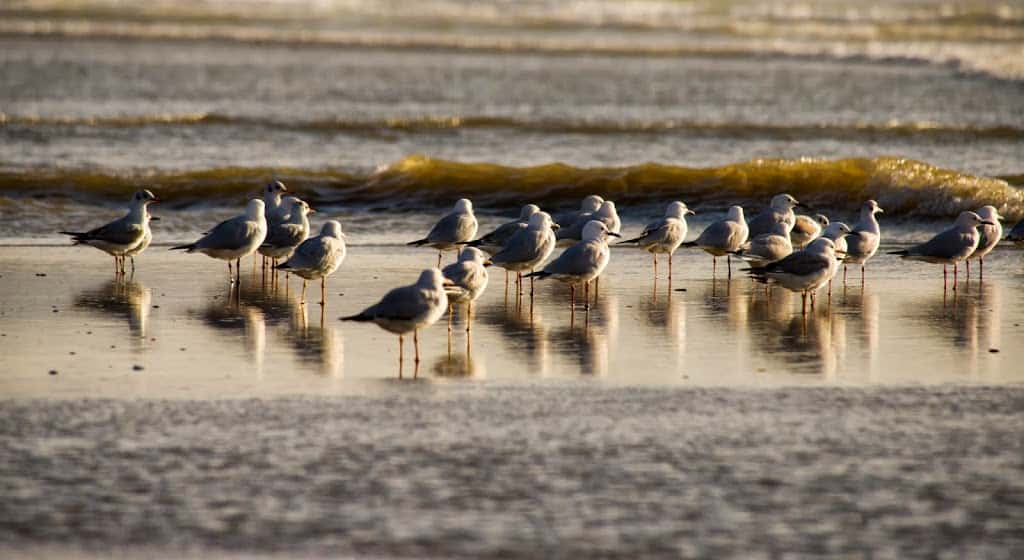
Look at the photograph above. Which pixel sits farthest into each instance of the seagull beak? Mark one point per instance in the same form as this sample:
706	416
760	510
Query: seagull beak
988	223
488	263
613	234
555	227
801	205
689	212
448	283
154	218
312	211
879	210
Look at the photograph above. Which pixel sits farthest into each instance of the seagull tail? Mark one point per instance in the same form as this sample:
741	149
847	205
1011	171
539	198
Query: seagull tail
359	318
539	275
630	241
689	244
76	236
418	242
902	253
188	248
283	266
473	243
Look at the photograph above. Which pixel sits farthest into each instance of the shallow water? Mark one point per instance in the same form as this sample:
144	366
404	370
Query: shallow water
176	320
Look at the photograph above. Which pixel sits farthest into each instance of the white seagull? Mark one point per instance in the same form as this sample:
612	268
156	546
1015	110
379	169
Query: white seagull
283	237
949	247
862	243
455	228
318	257
804	271
991	235
496	239
665	235
123	236
527	249
781	208
465	281
582	262
408	309
767	248
807	229
606	214
233	239
722	238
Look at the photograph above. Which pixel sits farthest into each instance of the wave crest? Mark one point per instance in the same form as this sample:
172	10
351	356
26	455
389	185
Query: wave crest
903	187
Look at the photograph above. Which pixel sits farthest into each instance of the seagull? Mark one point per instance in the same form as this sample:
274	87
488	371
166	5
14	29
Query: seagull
664	235
804	271
862	242
453	229
528	248
951	246
767	248
807	229
1017	233
606	214
588	206
991	235
495	240
283	237
408	309
837	232
465	281
723	237
120	237
781	207
317	257
275	211
233	239
582	262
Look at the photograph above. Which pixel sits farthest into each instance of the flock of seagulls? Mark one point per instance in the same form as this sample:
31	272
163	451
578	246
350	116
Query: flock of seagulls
799	253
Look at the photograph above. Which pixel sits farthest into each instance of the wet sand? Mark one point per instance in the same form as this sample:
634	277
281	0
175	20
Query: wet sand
708	422
177	321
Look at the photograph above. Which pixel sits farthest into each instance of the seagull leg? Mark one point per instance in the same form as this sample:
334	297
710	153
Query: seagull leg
302	298
238	270
714	266
439	259
803	300
519	284
401	354
323	290
655	255
981	269
670	270
531	286
944	276
586	295
597	286
231	274
955	265
844	274
449	331
416	344
862	275
133	265
728	262
469	317
967	263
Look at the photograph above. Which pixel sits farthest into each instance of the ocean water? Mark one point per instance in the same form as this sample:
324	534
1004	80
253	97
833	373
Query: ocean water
917	104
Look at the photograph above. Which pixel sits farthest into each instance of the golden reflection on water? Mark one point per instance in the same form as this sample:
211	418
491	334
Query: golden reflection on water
121	298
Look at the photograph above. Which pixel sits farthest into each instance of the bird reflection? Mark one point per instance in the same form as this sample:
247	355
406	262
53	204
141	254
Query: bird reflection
969	320
525	331
802	343
458	365
318	343
122	298
859	310
587	341
234	315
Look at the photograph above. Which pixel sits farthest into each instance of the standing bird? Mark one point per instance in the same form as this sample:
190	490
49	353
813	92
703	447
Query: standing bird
273	207
588	206
804	271
837	232
455	228
1017	233
496	239
722	238
283	237
781	209
862	243
465	281
605	214
408	309
767	248
664	235
582	262
991	235
122	236
949	247
527	249
318	257
807	229
233	239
